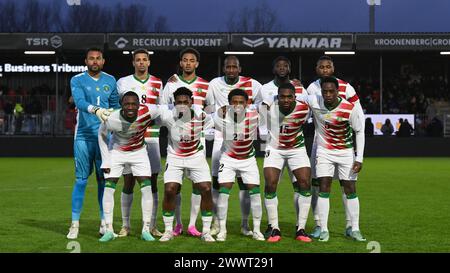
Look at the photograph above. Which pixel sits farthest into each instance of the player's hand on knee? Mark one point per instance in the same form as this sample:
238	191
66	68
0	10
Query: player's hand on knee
102	113
357	166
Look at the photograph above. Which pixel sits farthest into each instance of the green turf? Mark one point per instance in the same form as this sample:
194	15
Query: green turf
404	206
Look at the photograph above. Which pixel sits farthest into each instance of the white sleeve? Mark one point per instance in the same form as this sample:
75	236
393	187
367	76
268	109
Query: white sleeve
350	93
303	98
258	97
154	111
263	116
310	89
158	99
209	100
357	124
218	122
119	86
209	122
165	97
103	144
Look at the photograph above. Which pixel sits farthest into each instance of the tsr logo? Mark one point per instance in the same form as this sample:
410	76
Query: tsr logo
55	41
73	2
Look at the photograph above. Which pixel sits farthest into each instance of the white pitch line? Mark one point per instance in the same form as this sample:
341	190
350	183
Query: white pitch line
39	188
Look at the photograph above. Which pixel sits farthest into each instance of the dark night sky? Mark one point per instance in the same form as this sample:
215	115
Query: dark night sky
305	15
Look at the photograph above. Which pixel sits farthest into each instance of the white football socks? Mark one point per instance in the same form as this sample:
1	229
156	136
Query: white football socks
195	208
272	211
125	204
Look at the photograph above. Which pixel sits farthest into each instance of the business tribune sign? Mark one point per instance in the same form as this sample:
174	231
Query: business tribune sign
292	42
174	41
403	42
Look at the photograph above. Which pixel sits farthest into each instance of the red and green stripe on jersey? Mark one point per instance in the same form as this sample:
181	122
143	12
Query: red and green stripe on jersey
199	88
241	147
298	88
246	84
189	137
335	127
139	126
342	92
290	135
153	88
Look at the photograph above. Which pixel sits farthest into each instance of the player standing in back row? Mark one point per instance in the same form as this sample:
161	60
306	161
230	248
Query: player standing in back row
148	88
92	91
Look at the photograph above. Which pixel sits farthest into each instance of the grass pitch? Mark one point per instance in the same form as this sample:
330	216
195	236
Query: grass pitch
404	207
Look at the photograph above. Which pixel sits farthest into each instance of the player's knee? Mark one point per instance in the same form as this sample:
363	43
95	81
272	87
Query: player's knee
349	188
304	183
171	190
204	187
81	182
270	188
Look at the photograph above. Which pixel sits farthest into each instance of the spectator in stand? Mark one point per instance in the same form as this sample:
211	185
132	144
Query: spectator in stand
18	118
405	129
435	128
70	119
387	129
369	127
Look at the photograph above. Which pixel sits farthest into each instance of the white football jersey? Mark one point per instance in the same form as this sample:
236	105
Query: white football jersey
149	93
184	134
334	127
129	136
220	90
269	91
198	86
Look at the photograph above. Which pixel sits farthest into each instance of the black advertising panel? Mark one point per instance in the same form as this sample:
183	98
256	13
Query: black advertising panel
402	41
51	41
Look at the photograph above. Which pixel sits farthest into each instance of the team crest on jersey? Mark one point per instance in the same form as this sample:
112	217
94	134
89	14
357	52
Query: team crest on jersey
339	119
327	116
106	88
199	90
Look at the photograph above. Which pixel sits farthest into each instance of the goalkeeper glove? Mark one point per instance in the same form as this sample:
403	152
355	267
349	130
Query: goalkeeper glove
102	113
